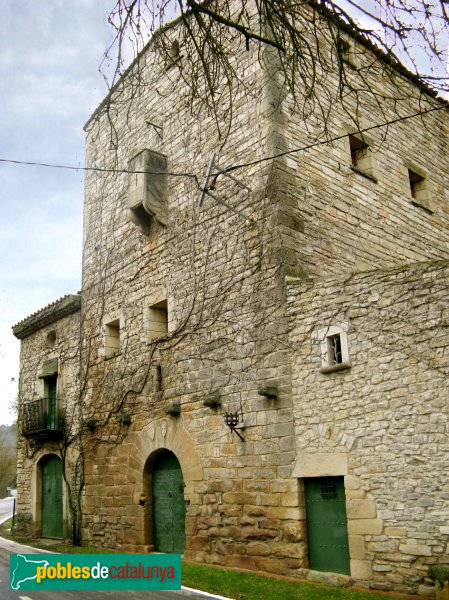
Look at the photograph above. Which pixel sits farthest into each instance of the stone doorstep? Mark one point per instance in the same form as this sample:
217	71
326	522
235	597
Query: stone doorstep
300	580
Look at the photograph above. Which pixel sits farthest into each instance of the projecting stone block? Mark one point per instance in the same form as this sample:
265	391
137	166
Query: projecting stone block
147	189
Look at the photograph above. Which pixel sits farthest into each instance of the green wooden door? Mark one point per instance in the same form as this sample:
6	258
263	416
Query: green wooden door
327	524
52	517
168	505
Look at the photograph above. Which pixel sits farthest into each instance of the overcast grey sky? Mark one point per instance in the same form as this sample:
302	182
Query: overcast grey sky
49	56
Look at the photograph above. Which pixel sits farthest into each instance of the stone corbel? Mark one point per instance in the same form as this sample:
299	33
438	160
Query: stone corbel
147	189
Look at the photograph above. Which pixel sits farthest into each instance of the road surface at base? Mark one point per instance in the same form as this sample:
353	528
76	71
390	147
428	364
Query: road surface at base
7	547
6	508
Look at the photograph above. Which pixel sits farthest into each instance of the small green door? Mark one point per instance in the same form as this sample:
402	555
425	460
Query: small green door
168	505
327	524
52	517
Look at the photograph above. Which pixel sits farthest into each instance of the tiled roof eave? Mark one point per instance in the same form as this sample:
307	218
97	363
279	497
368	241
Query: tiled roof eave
51	313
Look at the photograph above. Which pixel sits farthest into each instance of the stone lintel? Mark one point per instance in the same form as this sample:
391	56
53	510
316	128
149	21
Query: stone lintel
321	464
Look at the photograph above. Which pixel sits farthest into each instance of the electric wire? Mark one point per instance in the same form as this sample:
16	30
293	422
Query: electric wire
231	167
94	169
335	139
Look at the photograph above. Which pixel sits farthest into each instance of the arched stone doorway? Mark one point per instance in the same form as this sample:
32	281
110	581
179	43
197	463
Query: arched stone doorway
51	497
165	509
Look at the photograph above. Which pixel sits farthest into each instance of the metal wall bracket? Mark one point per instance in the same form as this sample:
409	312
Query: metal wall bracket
232	421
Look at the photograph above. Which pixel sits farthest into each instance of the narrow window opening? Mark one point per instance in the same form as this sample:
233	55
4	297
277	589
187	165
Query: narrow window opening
363	159
334	350
50	402
346	52
420	190
358	150
415	183
157	320
159	379
112	338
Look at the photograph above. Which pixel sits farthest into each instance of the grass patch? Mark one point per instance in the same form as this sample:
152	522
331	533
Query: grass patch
53	546
241	585
5	527
69	549
252	586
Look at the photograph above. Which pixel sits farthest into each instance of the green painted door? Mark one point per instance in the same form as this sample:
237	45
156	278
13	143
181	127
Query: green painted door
52	518
327	524
168	505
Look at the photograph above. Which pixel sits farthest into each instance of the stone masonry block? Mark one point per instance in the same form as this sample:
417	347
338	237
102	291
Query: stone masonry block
357	547
321	465
415	549
361	569
360	508
365	526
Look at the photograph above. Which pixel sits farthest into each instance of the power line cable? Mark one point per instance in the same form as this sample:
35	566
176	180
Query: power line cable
231	167
335	139
94	169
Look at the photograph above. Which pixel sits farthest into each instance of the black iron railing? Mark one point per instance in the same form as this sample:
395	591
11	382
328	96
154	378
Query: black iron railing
42	418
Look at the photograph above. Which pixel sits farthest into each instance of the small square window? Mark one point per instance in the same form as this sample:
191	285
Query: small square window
334	348
362	157
420	190
415	183
157	322
334	352
346	52
112	338
328	490
357	148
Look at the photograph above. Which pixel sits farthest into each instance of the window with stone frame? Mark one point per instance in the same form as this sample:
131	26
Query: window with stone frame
420	188
112	338
345	49
362	156
334	348
157	320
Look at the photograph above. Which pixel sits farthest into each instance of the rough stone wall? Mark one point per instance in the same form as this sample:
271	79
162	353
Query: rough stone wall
229	337
221	276
343	219
223	279
383	422
36	349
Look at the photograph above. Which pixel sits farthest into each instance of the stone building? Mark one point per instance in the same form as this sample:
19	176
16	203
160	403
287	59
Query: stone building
258	383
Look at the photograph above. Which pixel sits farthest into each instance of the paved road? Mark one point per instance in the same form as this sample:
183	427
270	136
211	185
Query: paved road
7	547
6	507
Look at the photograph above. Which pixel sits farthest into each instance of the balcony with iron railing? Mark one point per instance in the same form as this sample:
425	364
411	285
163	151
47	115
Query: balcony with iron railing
42	418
